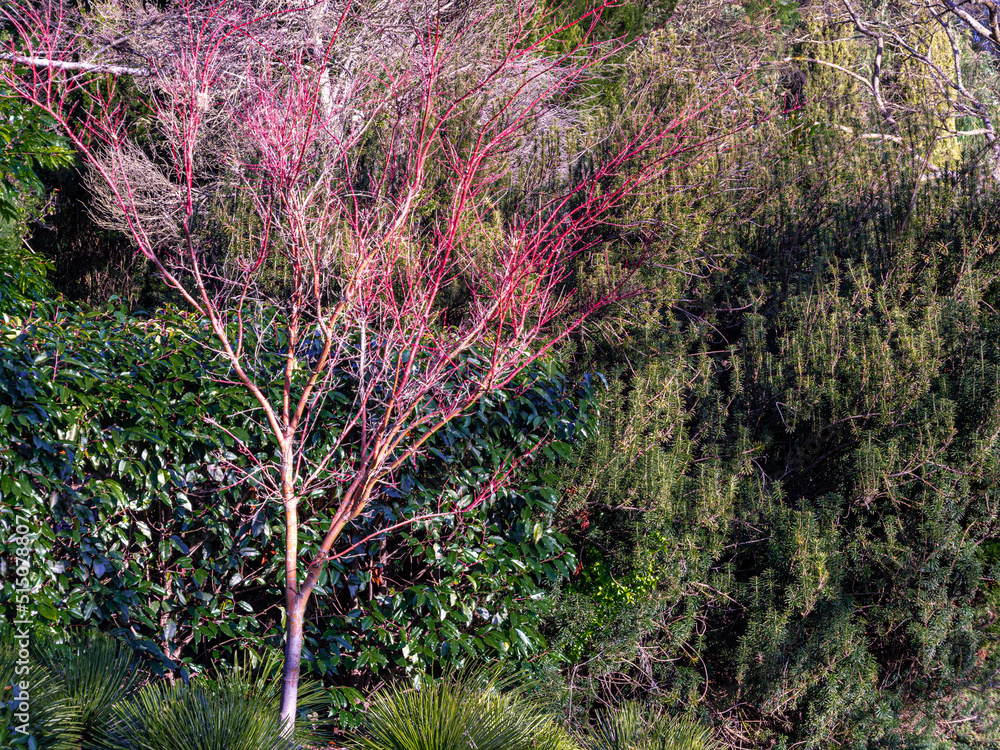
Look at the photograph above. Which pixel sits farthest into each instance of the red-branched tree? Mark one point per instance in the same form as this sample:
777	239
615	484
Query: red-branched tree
387	191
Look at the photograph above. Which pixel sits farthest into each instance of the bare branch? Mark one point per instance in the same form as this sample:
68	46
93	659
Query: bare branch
86	67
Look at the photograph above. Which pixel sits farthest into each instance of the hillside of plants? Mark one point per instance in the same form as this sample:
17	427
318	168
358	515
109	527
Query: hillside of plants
411	375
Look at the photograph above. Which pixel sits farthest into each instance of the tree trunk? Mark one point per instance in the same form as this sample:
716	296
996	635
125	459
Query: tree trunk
296	608
295	600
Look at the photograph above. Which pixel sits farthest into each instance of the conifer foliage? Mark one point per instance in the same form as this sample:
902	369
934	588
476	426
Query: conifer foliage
783	516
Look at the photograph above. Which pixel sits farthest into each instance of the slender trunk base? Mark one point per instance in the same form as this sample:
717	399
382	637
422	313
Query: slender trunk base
293	664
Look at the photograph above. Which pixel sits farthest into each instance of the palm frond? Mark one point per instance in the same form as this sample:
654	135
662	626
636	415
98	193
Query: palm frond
189	717
465	712
261	683
54	722
95	672
631	727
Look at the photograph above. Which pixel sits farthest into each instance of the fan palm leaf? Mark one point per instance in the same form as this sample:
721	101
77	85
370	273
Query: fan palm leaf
261	683
53	723
631	727
189	717
95	672
466	712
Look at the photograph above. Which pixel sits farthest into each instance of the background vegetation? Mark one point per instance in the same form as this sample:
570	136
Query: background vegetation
760	495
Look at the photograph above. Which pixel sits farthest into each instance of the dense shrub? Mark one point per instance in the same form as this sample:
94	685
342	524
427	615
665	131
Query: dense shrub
781	518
